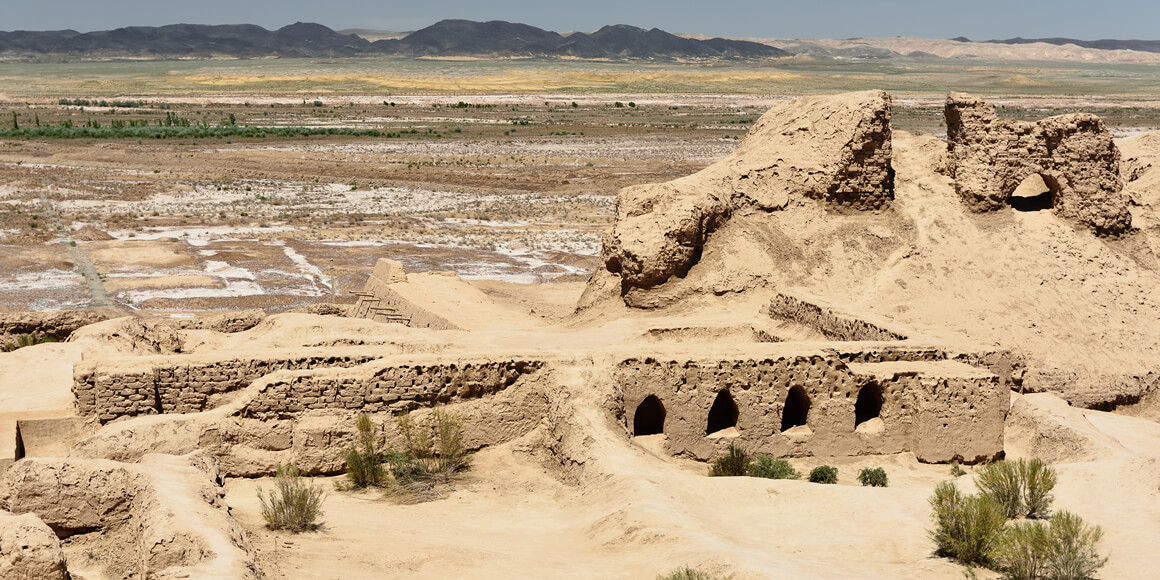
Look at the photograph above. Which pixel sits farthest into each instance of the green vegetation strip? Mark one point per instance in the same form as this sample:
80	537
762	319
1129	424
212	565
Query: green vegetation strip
192	132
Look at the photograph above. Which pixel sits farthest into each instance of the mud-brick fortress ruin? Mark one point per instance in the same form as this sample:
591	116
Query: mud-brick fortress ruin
686	334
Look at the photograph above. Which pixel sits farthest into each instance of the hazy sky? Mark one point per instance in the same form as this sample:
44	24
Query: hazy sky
977	19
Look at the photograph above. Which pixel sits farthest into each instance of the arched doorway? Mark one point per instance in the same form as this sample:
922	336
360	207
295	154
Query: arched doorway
649	418
1033	194
869	404
797	409
723	414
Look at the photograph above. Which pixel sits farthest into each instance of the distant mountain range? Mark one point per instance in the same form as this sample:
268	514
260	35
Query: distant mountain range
1105	44
445	38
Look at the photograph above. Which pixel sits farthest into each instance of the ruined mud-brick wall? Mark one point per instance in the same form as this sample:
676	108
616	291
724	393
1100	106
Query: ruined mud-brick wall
989	157
835	149
833	324
939	418
391	389
170	385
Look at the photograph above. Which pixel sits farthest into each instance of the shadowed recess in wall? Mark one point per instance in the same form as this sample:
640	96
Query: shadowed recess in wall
723	413
797	409
869	404
649	418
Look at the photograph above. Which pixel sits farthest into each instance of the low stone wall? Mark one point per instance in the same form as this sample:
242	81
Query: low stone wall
393	388
830	321
178	384
939	411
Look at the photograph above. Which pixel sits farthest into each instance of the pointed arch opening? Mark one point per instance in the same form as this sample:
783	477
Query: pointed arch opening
797	409
649	418
869	404
723	414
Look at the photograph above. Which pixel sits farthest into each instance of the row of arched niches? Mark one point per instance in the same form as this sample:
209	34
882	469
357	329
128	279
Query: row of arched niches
649	418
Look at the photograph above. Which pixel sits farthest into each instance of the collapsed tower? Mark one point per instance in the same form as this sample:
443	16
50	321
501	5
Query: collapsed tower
835	149
989	157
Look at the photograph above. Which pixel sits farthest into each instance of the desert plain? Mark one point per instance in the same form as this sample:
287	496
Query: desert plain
215	300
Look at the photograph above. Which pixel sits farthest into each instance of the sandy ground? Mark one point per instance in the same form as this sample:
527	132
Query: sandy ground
510	517
1024	281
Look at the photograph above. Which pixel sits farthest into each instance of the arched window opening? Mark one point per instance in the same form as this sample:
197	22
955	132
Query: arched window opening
723	414
649	418
1033	194
797	409
869	404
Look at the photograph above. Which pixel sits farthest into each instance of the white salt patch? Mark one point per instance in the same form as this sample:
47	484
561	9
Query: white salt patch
310	271
227	271
233	289
52	279
193	234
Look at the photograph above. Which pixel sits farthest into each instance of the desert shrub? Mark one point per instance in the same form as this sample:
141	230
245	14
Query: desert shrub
1021	550
1038	481
24	340
966	527
364	463
432	452
1022	487
824	474
770	468
734	463
1072	553
293	504
956	470
1064	549
686	573
872	477
1001	481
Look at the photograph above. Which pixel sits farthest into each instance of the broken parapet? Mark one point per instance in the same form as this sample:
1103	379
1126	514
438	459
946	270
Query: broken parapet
836	149
989	157
831	321
187	384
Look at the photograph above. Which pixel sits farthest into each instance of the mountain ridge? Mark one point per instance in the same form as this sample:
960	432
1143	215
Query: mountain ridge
444	38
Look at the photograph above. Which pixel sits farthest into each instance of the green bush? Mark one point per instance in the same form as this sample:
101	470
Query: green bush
770	468
686	573
24	340
1021	550
1001	481
965	527
1022	488
824	474
364	462
433	452
293	504
1063	549
1038	481
872	477
734	463
1072	553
